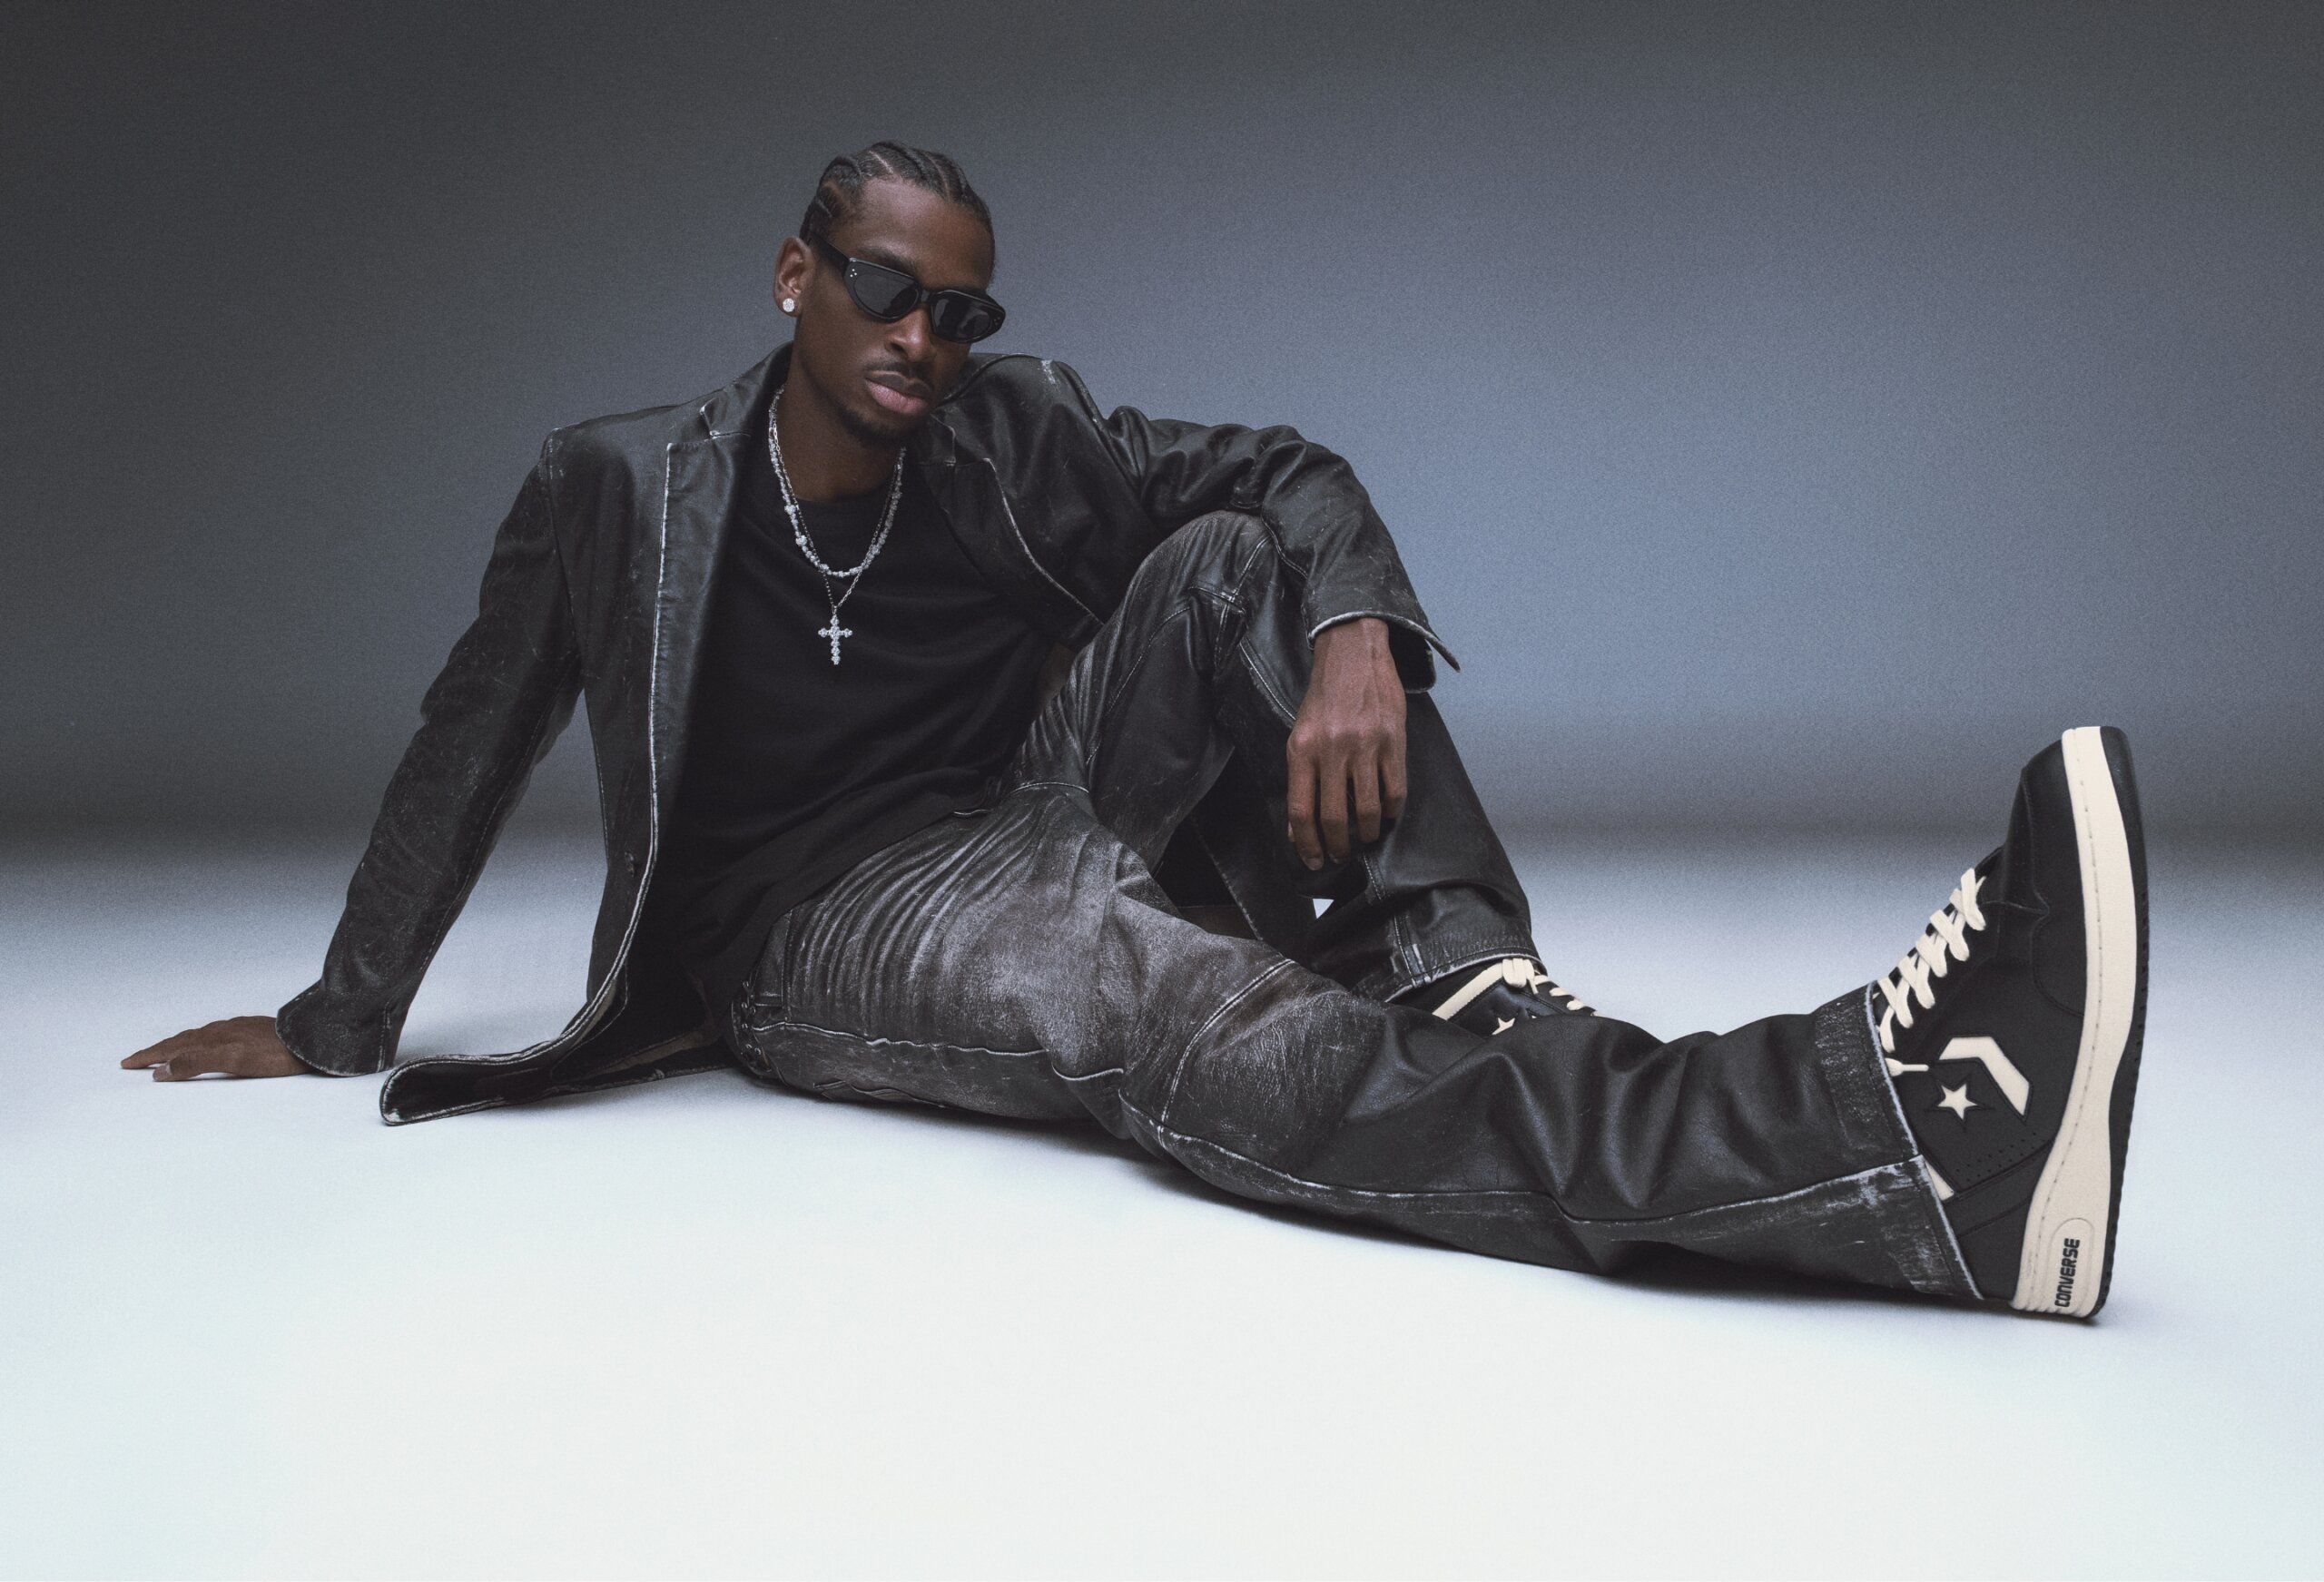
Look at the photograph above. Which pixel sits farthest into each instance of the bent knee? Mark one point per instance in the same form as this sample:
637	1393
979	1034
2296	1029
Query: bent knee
1245	530
1218	548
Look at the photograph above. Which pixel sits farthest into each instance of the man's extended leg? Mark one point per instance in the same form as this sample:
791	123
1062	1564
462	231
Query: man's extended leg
1024	962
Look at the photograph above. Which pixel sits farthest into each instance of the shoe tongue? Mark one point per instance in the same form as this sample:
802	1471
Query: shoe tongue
2007	896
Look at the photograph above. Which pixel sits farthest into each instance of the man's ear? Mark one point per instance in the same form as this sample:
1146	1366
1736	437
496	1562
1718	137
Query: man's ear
792	249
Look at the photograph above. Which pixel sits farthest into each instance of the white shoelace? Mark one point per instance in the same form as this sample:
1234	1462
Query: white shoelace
1518	973
1943	942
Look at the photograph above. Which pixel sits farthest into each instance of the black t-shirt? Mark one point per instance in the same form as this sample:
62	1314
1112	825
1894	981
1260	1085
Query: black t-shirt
796	767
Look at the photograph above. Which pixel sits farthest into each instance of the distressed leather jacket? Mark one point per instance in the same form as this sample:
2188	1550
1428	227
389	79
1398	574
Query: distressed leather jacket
596	590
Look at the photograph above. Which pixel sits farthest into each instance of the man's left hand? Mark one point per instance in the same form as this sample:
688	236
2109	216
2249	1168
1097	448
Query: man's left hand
1346	753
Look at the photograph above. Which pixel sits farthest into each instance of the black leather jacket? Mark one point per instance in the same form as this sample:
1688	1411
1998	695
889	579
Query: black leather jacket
596	589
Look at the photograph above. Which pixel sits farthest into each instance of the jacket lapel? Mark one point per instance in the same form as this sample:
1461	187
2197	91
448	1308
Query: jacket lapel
983	520
700	507
698	510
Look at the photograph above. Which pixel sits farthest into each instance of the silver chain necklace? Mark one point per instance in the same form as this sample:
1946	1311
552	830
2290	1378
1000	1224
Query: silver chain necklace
854	575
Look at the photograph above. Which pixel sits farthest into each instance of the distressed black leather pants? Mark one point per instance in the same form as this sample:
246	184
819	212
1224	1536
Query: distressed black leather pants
1021	961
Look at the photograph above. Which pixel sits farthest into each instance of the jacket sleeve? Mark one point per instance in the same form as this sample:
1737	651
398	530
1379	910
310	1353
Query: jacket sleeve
1322	517
490	715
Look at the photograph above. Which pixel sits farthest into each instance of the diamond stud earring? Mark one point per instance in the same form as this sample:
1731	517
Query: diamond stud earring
786	304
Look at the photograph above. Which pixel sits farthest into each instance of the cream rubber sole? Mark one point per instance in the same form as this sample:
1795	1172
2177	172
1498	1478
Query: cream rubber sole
2061	1265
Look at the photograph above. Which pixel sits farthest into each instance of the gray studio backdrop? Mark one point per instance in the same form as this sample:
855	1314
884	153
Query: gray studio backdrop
1791	415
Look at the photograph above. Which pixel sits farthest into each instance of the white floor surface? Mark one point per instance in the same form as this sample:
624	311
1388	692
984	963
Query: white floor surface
704	1327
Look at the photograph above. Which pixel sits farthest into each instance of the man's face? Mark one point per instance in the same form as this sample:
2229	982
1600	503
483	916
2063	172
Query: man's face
883	379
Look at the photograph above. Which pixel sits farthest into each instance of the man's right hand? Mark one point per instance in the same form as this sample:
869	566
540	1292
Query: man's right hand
237	1046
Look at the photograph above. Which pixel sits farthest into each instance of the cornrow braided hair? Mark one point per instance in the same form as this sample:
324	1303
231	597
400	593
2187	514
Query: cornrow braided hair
840	189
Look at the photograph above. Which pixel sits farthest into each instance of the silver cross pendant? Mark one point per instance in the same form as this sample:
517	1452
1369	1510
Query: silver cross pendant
835	631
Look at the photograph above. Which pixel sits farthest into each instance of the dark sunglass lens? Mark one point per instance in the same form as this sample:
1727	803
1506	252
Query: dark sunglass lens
883	293
960	318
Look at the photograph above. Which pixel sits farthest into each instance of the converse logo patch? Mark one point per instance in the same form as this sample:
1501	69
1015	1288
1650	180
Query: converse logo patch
2067	1244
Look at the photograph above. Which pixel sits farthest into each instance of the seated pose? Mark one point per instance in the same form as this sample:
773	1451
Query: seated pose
935	711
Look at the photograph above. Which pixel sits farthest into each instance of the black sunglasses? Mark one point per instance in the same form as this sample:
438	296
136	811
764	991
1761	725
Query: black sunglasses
888	294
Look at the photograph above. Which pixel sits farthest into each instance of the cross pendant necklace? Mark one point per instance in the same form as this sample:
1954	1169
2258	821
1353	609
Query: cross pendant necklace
852	575
834	631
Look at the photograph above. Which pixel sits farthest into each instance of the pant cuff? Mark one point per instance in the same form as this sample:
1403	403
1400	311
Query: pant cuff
1390	979
1911	1221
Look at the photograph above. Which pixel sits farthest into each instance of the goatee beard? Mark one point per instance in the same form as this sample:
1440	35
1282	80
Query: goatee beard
864	433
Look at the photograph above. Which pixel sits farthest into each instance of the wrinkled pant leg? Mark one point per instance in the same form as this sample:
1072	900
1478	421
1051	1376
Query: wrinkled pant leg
1182	706
1023	962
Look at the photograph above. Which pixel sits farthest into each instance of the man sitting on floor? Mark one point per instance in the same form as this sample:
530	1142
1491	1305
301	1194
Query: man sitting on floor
865	841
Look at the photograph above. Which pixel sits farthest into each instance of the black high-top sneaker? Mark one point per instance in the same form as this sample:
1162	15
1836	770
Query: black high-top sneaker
1496	997
2012	1031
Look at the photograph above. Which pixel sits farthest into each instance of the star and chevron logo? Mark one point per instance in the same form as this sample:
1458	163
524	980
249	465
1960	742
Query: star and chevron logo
1985	1052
